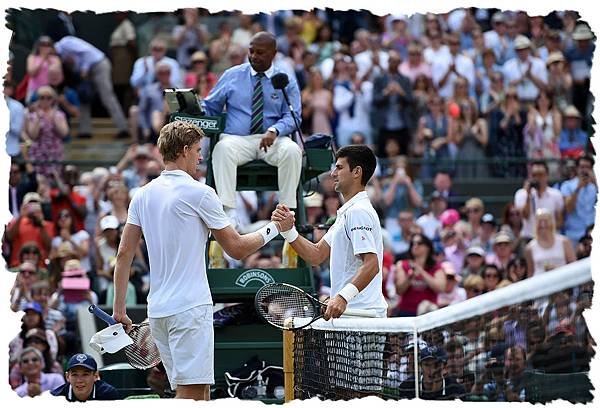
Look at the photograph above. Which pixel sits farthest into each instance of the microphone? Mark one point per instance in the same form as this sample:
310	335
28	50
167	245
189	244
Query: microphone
280	81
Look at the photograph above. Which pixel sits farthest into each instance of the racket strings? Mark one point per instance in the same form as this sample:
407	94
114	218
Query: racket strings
278	303
143	353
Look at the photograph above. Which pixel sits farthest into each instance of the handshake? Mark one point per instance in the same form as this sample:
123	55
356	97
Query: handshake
285	220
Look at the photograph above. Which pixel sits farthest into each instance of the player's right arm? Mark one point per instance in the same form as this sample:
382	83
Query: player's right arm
236	245
313	253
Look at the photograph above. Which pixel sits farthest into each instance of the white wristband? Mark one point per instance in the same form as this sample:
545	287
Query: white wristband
348	292
290	235
268	232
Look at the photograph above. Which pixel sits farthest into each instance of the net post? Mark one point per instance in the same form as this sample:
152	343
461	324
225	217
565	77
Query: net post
416	360
288	360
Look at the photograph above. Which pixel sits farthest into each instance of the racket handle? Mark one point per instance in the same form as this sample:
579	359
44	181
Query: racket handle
359	313
108	319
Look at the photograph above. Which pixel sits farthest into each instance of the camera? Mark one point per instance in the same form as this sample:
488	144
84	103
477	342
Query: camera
535	184
183	101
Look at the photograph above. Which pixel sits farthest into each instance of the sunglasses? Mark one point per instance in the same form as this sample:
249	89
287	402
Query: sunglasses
417	243
27	272
198	61
64	215
30	360
30	251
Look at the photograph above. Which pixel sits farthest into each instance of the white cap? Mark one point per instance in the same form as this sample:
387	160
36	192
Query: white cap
109	222
111	339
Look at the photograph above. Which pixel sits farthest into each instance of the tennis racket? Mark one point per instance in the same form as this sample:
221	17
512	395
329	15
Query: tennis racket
278	302
143	353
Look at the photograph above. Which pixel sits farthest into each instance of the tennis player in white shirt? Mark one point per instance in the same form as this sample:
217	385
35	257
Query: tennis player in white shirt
176	214
353	243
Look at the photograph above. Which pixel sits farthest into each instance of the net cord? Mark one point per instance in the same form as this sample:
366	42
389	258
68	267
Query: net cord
578	273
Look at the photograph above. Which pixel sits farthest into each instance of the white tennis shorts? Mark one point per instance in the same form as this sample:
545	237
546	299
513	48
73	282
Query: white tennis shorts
186	345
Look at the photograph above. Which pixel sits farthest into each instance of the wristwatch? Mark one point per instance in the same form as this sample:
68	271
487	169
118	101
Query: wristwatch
274	130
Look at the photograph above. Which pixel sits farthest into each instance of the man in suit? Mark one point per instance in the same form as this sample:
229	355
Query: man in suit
392	114
18	185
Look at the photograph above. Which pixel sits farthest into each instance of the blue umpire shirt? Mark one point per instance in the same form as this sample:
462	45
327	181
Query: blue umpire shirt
234	92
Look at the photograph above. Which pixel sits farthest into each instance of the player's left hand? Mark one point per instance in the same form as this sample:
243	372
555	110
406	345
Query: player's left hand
335	307
267	140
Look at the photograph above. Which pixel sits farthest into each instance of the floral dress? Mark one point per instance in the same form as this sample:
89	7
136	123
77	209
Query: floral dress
48	146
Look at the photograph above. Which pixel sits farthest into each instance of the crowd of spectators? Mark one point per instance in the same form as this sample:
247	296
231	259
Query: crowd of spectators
499	356
505	90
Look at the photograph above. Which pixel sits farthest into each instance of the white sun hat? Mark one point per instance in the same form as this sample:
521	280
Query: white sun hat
111	339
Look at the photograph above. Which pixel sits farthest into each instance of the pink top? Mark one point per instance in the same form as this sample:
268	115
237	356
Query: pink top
41	78
417	292
413	72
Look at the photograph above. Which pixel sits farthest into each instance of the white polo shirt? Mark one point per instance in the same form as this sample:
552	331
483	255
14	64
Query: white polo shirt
356	231
551	199
175	213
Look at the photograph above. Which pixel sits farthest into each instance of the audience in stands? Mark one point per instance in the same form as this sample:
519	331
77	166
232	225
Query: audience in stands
445	101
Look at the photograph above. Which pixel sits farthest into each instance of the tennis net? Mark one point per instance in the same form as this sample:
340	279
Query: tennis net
524	342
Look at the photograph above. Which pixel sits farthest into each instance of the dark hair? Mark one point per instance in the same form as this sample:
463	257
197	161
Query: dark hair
454	345
430	260
72	228
492	266
540	163
516	263
46	354
24	329
359	155
587	157
29	247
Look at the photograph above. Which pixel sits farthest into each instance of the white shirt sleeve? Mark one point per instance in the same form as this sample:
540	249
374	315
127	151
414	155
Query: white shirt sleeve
359	227
211	211
328	237
133	216
558	198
